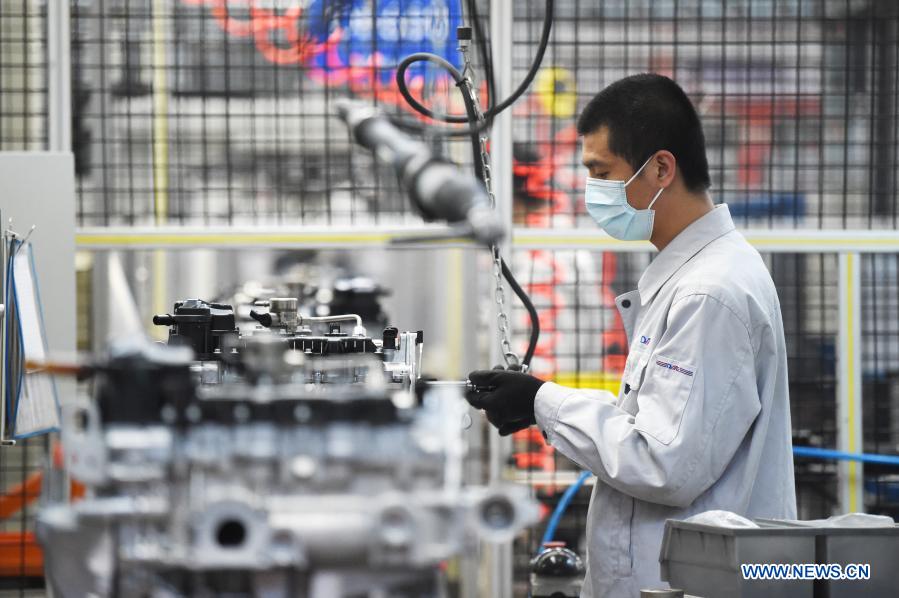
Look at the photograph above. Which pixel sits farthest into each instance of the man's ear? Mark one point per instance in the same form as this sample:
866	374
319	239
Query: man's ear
663	168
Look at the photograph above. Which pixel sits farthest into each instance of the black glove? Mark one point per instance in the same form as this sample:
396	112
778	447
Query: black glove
506	397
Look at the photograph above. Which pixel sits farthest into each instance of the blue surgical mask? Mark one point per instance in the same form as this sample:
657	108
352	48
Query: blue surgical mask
607	204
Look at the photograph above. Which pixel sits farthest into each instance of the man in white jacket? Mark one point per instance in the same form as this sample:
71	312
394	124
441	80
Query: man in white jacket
702	419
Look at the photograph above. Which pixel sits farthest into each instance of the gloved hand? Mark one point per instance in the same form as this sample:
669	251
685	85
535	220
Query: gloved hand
506	397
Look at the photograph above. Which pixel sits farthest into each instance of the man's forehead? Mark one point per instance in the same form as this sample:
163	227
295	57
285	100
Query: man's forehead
595	147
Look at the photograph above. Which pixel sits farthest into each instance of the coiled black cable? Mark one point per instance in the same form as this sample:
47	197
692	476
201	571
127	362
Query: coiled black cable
476	126
462	83
491	111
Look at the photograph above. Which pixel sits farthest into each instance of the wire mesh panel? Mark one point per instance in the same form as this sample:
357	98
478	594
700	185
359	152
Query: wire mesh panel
880	387
201	111
21	479
808	289
797	99
23	76
582	340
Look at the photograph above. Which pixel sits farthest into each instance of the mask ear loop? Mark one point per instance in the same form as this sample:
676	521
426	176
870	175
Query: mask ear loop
652	203
639	170
636	174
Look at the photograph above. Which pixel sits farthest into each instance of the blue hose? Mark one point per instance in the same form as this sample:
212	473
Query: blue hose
818	453
561	508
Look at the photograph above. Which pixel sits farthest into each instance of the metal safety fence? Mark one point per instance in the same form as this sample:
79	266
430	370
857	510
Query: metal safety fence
797	99
23	76
208	112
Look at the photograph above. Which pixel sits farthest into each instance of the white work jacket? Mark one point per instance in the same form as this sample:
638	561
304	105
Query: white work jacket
702	420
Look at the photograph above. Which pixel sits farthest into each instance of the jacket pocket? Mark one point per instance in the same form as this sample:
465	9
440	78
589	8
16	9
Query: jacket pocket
634	369
666	387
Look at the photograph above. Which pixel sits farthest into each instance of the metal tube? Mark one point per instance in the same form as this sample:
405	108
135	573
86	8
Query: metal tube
317	237
59	78
849	395
501	168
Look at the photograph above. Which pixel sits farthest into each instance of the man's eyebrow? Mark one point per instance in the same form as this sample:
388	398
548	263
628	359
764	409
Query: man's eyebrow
595	163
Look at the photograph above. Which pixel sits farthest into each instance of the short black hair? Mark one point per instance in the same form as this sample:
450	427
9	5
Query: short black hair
644	114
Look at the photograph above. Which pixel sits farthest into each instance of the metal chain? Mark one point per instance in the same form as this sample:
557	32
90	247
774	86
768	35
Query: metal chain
499	295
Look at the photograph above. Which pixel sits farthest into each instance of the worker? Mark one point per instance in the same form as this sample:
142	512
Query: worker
702	418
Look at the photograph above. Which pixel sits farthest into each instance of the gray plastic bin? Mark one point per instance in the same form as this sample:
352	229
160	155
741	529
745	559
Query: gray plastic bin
705	560
876	546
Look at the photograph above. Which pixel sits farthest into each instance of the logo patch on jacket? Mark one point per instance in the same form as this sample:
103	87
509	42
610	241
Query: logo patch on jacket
671	366
644	340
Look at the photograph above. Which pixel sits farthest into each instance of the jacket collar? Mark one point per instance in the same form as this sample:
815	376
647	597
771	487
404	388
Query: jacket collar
682	248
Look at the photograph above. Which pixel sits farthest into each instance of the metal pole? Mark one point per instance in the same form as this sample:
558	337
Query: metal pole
59	77
501	170
59	139
849	396
161	35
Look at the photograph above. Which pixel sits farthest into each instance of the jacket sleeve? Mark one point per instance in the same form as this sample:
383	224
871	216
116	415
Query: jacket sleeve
697	400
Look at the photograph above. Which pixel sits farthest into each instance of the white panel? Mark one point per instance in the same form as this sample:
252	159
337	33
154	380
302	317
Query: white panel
39	189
